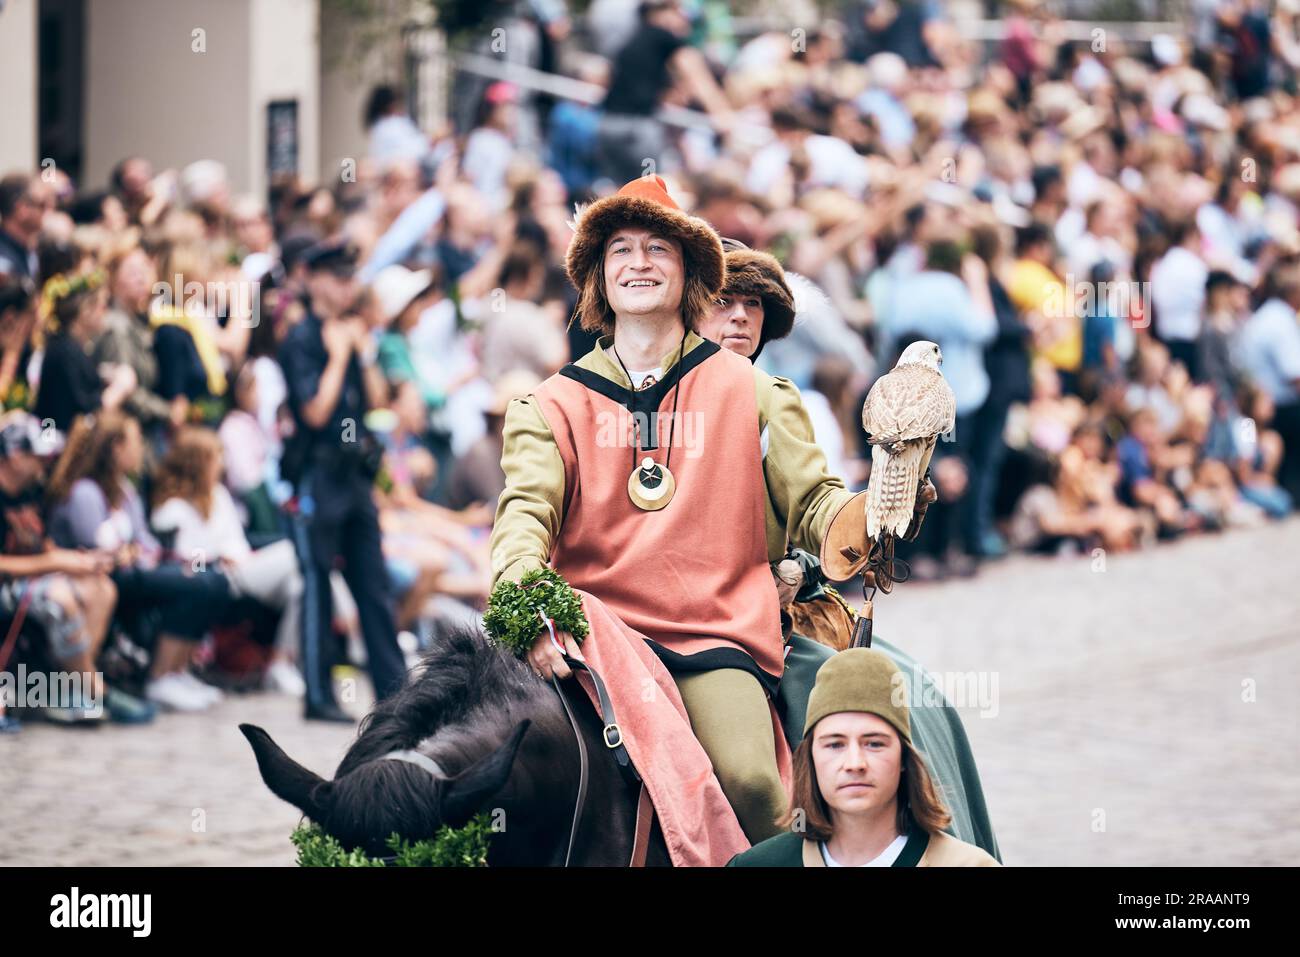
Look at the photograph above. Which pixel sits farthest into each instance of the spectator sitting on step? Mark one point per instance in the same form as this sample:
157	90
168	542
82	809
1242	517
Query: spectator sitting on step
70	384
193	505
430	549
95	505
1145	462
1086	484
66	592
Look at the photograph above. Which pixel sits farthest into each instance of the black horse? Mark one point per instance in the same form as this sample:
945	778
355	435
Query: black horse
501	742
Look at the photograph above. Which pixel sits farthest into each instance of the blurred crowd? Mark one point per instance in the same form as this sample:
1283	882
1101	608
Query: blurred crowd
1100	233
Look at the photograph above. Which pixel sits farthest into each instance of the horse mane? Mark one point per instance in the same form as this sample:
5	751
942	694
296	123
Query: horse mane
468	693
463	704
466	687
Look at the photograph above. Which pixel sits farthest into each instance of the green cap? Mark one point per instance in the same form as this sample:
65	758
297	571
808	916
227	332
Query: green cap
860	679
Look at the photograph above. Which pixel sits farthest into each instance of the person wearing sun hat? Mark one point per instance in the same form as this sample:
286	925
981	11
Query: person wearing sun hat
401	296
658	475
863	796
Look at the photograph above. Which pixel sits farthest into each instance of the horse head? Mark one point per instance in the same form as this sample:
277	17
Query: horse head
495	738
362	807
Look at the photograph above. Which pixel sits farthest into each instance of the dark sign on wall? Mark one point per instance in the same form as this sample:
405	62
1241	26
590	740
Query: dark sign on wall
281	139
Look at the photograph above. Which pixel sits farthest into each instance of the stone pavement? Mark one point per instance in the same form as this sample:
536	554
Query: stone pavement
1125	731
182	791
1119	732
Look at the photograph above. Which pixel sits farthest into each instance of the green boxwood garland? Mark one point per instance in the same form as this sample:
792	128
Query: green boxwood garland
515	609
451	847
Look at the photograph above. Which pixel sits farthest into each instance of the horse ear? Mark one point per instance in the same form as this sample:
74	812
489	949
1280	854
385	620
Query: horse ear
465	793
287	779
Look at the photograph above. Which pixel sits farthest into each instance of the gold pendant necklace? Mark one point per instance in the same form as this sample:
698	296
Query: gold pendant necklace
651	485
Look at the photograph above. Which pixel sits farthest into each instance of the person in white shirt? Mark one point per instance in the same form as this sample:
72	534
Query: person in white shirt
393	134
1268	351
194	506
1100	240
489	149
831	161
1178	294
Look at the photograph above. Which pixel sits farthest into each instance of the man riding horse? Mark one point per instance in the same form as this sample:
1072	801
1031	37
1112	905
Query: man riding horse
659	475
664	506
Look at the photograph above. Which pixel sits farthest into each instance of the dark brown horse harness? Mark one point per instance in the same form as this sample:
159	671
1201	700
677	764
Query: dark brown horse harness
612	735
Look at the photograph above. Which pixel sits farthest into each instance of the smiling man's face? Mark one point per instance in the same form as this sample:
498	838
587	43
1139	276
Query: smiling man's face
857	758
644	273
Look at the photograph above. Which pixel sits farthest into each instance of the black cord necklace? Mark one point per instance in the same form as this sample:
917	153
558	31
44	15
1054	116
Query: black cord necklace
651	485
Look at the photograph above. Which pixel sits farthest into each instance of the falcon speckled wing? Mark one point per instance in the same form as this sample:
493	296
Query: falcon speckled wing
905	413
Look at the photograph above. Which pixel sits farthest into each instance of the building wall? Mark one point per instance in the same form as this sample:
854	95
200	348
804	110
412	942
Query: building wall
18	95
285	43
155	88
346	78
152	91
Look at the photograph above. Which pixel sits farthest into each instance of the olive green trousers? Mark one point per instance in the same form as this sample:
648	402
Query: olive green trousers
729	714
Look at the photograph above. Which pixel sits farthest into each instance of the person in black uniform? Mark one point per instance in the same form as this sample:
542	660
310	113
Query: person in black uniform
329	368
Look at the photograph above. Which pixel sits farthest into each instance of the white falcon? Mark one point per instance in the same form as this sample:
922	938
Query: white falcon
906	411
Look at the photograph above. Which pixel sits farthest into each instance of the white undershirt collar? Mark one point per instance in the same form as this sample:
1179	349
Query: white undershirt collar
638	376
885	858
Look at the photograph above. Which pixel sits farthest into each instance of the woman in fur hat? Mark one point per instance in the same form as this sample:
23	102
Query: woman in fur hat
659	475
755	305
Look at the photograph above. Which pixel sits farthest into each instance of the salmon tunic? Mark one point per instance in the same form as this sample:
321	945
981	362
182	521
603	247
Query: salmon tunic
738	434
686	587
693	576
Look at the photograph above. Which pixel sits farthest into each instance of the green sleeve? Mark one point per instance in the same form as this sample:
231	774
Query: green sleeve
531	507
804	495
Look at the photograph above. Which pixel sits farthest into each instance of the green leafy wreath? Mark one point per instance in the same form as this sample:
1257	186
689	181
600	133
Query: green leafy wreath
515	609
451	847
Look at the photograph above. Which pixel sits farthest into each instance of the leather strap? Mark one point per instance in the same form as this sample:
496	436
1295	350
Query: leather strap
861	632
645	815
612	733
582	770
613	737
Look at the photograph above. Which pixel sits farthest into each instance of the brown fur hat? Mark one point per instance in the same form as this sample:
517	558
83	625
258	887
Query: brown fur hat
643	202
754	273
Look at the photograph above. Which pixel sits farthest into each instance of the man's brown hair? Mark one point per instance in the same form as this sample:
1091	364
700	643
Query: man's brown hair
919	804
595	314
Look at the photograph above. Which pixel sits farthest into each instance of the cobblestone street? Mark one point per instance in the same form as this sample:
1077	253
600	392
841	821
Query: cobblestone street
1120	700
1123	730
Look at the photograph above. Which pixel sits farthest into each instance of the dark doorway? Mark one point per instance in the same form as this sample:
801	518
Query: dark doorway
61	83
